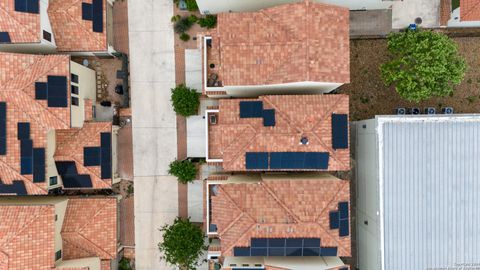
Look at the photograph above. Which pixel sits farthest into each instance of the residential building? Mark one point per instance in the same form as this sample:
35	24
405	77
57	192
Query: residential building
49	138
298	48
58	233
214	7
417	192
462	13
67	26
278	221
279	133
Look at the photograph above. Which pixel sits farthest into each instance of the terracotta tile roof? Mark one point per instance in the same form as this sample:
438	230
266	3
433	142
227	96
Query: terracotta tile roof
27	236
288	43
71	32
18	74
22	27
470	10
295	116
279	208
70	147
90	229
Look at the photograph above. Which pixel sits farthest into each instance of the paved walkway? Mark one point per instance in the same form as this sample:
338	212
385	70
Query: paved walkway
152	68
405	12
370	22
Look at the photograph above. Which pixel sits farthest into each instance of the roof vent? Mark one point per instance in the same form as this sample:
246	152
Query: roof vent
304	140
214	190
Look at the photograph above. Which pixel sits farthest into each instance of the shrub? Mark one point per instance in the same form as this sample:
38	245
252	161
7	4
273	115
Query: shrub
191	4
184	170
185	37
124	264
185	100
183	244
423	64
209	21
183	24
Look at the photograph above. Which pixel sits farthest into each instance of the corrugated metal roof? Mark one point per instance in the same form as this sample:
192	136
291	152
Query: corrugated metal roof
430	177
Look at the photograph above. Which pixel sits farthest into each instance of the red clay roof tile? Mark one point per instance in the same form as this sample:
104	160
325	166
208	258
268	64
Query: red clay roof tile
470	10
22	27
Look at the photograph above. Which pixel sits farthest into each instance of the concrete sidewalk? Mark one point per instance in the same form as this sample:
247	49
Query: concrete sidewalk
152	69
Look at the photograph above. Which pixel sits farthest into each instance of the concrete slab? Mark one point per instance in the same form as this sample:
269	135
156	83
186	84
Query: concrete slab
193	69
195	201
405	12
370	22
196	136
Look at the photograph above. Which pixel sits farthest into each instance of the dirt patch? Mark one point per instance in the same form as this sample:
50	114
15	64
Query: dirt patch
370	97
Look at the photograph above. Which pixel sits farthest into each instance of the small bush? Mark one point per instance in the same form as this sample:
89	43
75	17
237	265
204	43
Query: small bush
183	24
175	18
185	100
184	170
185	37
209	21
191	4
124	264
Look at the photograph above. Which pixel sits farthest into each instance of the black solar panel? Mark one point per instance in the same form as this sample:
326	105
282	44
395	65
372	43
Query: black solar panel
311	242
256	160
97	15
334	218
30	6
57	95
284	247
259	251
77	181
38	165
343	209
328	251
344	227
311	251
87	11
26	157
66	167
5	37
23	131
91	156
241	251
276	251
41	90
294	242
26	148
251	109
299	160
316	160
3	128
276	242
17	187
259	242
296	251
269	118
106	155
339	131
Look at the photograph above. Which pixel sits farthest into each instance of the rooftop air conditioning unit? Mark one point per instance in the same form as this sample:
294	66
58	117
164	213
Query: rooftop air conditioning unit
430	110
415	111
213	119
400	111
447	110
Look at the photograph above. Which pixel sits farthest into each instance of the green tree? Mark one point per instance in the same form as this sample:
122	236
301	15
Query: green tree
185	100
423	64
209	21
183	243
183	24
184	170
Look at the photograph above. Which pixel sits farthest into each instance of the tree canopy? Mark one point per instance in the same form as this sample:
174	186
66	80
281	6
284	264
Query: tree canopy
184	170
423	64
183	243
185	100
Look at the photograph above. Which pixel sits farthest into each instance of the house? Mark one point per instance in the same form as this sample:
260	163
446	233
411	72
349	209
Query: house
298	48
462	13
76	27
214	7
58	233
279	133
278	221
417	192
49	138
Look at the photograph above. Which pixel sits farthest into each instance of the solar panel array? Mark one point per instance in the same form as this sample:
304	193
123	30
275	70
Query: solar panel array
3	128
284	247
54	91
70	177
32	160
17	187
254	109
286	160
5	37
29	6
94	12
339	219
100	156
339	131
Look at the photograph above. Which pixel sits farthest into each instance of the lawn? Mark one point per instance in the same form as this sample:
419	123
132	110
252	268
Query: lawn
370	97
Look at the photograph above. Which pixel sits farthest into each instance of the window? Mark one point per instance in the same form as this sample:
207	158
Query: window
58	255
74	89
75	101
74	78
47	36
53	181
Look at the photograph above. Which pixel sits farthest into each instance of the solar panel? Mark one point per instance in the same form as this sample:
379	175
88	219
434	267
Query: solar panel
26	165
77	181
316	160
311	242
106	155
30	6
21	5
241	251
294	242
259	242
311	251
343	209
57	91
269	117
334	218
276	242
87	11
91	156
3	128
41	90
17	187
339	131
66	167
5	37
251	109
276	251
259	251
38	165
293	251
26	148
256	160
344	227
299	160
97	16
23	131
328	251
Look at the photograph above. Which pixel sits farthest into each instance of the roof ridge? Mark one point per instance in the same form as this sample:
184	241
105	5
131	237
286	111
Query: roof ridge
17	22
280	202
95	247
281	114
237	154
472	9
242	212
101	208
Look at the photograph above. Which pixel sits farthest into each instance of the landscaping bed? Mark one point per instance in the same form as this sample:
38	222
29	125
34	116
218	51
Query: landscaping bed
369	96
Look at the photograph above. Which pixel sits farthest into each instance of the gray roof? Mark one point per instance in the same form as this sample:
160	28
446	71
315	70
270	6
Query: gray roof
430	178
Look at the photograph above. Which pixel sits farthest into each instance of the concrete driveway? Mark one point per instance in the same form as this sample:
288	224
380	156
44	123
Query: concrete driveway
152	69
404	13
